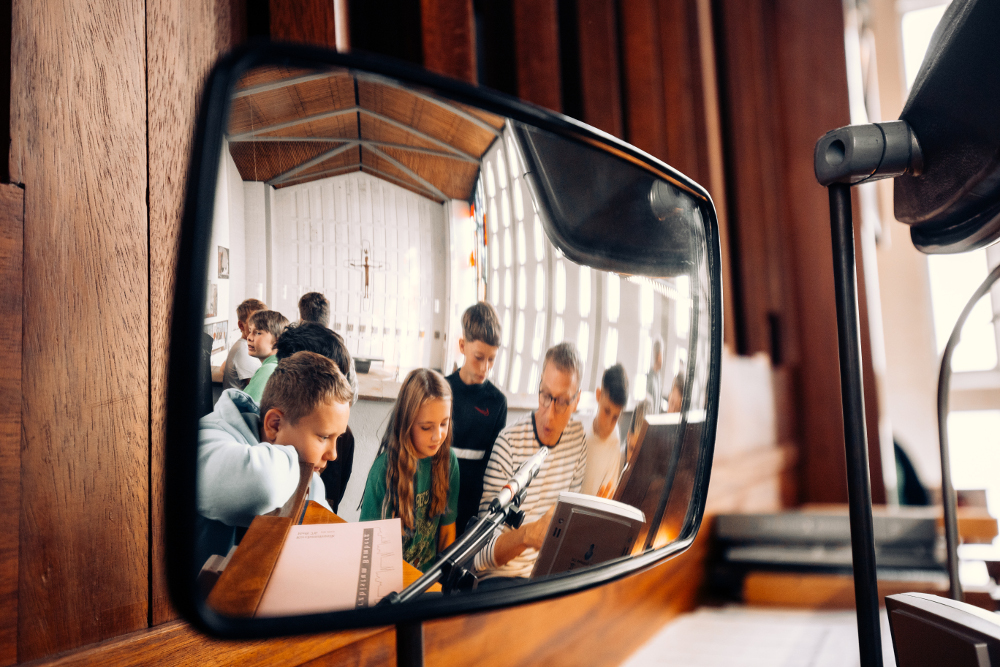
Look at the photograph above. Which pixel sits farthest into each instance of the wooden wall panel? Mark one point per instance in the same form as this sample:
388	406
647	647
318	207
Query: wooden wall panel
812	98
449	38
304	21
78	135
184	39
782	90
11	259
536	37
642	77
753	145
600	82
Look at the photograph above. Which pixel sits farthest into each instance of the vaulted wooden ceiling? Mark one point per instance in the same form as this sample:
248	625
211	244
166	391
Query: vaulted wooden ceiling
292	126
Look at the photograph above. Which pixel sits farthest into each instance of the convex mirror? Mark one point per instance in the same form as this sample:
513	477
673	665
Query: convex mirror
404	199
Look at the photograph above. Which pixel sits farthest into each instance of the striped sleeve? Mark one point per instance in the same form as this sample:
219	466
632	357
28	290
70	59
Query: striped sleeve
498	470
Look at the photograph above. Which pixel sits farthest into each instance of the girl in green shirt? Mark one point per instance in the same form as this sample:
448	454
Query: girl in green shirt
415	475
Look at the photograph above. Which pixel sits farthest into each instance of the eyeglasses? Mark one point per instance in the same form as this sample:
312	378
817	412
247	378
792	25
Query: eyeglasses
545	399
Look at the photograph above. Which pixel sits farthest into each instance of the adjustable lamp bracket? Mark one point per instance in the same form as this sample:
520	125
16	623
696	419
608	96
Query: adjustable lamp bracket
843	158
859	153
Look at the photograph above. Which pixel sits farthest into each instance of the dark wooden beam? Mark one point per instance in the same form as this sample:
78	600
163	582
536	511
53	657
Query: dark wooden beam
11	305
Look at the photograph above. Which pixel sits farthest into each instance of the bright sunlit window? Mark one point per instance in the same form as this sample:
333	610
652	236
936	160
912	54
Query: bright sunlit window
917	27
584	291
975	454
953	280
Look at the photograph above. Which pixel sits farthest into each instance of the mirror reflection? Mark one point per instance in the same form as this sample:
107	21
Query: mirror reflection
394	337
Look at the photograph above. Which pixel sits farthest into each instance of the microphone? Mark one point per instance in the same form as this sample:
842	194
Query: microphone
520	480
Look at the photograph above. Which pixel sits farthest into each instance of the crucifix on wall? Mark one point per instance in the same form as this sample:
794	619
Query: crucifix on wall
366	265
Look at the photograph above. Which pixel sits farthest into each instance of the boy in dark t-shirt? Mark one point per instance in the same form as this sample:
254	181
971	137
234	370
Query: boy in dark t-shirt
479	409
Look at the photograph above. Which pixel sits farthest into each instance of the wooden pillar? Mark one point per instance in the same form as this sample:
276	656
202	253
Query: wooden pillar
78	146
11	258
536	37
785	85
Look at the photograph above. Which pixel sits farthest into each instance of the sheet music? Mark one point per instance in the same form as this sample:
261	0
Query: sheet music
335	566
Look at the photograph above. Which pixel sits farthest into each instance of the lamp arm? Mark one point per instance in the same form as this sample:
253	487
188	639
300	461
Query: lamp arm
944	385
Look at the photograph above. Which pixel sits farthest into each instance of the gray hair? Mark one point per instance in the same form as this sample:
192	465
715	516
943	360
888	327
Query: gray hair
566	359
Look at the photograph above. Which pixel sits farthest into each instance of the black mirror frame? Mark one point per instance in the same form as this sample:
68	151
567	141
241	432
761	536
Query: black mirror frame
182	403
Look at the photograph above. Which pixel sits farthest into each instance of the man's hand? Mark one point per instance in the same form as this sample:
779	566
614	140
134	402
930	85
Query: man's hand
534	532
512	544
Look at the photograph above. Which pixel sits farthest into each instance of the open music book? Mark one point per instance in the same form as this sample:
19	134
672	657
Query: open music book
586	530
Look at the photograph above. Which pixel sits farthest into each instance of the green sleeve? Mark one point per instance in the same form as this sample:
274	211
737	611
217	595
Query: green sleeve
451	513
371	502
255	388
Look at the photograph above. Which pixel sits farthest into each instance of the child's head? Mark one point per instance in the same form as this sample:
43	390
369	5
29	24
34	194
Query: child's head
656	357
266	327
306	404
479	343
676	395
314	307
314	337
244	311
611	399
419	427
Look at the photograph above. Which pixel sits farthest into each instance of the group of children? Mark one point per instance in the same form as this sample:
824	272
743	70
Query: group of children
294	404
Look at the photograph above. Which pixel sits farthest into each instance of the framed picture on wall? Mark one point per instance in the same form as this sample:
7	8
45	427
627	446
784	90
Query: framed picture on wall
223	262
218	331
212	300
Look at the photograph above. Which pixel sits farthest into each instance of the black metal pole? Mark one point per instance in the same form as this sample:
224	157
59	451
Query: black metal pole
859	492
410	644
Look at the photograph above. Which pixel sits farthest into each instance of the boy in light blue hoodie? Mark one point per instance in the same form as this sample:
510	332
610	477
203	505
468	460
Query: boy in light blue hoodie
249	465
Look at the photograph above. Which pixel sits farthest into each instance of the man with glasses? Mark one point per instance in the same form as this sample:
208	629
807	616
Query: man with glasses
512	553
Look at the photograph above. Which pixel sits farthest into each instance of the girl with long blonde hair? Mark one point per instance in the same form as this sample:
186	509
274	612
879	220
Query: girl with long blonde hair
415	474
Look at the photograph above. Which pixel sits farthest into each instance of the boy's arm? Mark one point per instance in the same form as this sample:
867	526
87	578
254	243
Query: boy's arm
238	481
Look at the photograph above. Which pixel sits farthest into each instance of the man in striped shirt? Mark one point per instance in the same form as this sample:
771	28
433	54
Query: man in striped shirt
512	553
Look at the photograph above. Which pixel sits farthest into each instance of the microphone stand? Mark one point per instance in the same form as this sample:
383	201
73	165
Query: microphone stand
451	567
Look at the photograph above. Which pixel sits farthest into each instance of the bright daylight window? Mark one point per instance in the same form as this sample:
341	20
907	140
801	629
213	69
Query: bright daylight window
974	435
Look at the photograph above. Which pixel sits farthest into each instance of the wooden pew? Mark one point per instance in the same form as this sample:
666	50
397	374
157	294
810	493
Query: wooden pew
241	585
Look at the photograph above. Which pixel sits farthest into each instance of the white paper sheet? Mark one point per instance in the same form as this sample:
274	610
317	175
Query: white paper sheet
328	567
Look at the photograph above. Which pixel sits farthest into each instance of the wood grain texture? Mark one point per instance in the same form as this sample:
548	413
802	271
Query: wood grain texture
811	98
304	21
242	583
714	178
642	77
11	304
183	41
78	130
176	644
795	590
782	91
536	37
449	38
600	82
754	141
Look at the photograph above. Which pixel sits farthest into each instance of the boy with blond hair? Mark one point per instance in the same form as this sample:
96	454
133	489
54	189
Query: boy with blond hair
239	366
266	327
248	458
479	409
